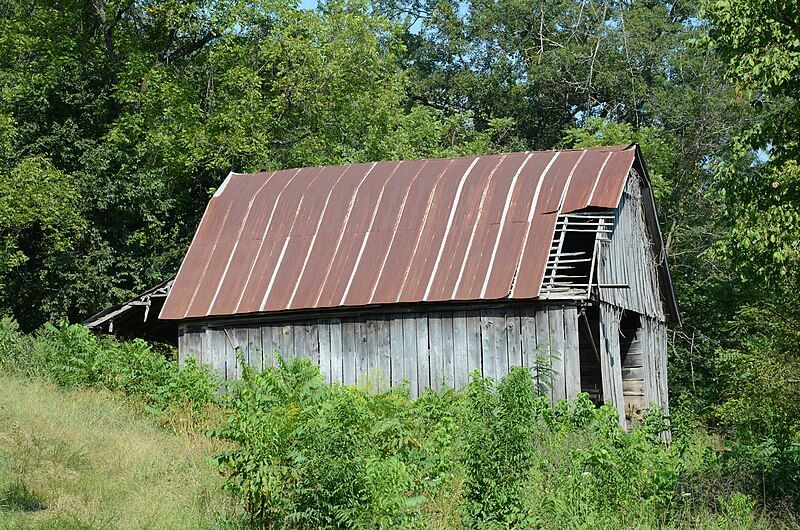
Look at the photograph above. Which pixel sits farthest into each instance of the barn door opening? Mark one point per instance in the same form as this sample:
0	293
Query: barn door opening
630	349
589	346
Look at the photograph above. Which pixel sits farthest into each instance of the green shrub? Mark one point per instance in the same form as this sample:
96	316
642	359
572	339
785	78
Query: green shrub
73	357
499	449
305	454
14	346
309	455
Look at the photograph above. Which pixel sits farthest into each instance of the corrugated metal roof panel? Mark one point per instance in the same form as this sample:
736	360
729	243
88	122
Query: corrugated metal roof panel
474	228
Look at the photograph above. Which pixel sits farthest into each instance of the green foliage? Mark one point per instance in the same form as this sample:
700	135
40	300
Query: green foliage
313	456
38	216
759	408
759	45
72	357
656	150
308	455
130	113
499	445
17	496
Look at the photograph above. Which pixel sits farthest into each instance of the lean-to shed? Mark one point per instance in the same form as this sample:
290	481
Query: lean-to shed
425	270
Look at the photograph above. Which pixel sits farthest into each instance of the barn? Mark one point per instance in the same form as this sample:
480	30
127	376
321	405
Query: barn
420	272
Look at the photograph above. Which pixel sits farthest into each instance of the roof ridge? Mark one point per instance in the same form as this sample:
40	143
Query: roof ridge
615	148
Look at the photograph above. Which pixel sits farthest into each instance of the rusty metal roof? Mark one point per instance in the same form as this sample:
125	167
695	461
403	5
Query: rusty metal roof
474	228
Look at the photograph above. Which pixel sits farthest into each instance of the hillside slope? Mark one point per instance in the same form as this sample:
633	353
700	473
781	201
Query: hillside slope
84	459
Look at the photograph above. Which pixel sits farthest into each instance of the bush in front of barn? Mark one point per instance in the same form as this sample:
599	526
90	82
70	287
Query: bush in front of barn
305	454
73	357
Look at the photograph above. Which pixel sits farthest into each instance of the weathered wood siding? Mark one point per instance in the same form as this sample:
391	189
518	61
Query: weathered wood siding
634	375
629	259
427	349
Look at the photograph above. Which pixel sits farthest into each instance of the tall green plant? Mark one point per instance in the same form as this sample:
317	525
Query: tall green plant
499	446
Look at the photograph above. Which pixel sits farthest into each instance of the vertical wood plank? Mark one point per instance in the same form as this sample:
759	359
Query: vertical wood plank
362	354
336	359
384	353
435	349
216	347
572	356
474	343
229	339
396	352
556	324
267	346
610	362
183	345
254	342
448	354
543	345
311	338
662	367
299	343
514	336
423	353
529	344
349	351
460	357
194	341
410	352
500	343
488	345
648	363
240	337
372	360
287	341
323	332
205	346
271	337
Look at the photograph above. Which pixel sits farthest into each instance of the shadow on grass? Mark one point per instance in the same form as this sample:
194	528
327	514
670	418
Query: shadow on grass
16	496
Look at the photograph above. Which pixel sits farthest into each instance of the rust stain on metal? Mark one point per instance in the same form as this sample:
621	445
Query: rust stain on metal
379	233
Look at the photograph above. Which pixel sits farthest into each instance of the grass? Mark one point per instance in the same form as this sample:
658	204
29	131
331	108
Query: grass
86	459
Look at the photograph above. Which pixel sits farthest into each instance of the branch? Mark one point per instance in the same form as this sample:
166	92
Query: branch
191	47
122	10
105	28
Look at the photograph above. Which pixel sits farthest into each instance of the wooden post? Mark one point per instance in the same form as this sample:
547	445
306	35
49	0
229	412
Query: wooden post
610	361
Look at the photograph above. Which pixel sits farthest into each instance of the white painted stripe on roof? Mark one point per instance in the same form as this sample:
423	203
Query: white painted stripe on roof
394	231
213	247
530	216
263	238
314	238
275	270
223	185
236	245
599	173
474	228
421	230
194	238
502	224
569	180
342	232
286	242
449	224
366	236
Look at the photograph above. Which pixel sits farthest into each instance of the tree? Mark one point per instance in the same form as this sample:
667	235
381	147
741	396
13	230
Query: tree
142	108
759	43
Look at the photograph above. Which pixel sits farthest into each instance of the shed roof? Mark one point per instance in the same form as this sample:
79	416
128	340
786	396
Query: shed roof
472	228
